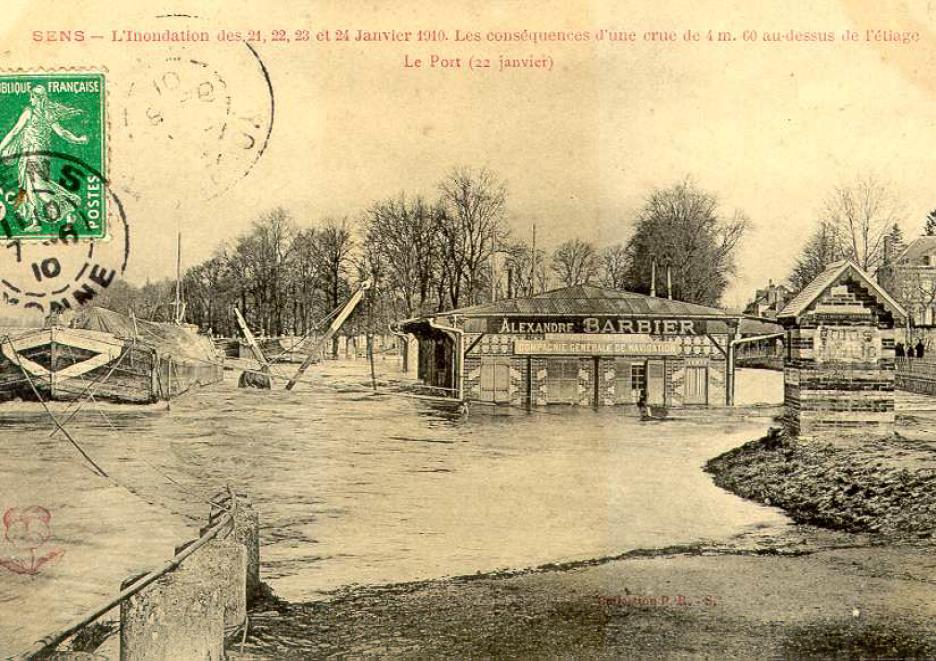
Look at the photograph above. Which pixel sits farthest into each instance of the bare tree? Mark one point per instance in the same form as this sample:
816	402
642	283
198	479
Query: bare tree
918	295
822	248
614	266
333	246
473	206
205	292
305	275
273	233
524	275
575	262
861	214
402	241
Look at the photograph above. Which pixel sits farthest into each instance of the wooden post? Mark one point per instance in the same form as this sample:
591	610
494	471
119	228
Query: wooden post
154	378
370	355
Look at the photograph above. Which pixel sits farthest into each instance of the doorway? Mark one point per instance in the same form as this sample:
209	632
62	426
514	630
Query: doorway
696	388
495	379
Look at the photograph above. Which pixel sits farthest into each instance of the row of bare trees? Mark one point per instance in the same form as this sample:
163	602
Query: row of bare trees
431	253
283	278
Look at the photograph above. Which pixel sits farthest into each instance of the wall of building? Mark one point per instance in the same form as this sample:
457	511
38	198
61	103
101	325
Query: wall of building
839	368
524	380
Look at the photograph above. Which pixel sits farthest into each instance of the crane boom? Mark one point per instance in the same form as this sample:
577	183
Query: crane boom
251	340
330	333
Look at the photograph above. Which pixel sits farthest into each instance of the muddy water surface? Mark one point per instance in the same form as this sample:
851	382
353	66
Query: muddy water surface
354	488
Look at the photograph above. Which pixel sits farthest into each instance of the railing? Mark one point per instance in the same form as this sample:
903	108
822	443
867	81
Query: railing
185	610
916	375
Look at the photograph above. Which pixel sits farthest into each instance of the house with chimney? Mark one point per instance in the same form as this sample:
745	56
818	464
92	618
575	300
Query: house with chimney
908	273
768	302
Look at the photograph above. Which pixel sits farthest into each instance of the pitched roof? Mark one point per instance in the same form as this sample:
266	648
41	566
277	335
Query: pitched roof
589	299
832	274
917	249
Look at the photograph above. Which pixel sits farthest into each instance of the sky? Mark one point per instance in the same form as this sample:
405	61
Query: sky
769	128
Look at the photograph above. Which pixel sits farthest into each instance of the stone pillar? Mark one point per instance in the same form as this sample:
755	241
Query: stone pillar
178	616
223	562
246	532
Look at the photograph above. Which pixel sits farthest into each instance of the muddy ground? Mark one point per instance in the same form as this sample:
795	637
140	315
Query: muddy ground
861	586
820	601
859	483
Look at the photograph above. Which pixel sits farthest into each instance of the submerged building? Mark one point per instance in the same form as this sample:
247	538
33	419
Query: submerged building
580	345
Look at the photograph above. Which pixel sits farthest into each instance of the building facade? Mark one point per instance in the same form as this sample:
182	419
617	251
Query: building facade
580	345
768	302
839	367
908	273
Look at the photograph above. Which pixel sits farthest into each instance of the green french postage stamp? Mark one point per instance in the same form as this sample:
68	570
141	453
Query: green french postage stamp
52	155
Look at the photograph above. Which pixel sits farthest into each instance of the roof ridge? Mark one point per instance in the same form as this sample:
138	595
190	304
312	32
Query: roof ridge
824	280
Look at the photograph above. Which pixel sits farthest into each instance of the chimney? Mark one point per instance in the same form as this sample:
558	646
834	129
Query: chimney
888	250
653	278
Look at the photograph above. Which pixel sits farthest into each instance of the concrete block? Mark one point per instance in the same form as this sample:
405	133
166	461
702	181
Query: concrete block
247	533
178	616
224	563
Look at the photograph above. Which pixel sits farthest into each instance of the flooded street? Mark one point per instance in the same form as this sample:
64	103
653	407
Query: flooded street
360	489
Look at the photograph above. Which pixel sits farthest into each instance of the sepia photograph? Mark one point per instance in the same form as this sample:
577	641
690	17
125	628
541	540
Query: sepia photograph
521	329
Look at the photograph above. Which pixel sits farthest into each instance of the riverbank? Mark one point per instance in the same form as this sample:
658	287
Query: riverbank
793	601
859	483
859	586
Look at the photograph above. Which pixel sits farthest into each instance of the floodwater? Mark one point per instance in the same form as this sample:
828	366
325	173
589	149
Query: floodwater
360	489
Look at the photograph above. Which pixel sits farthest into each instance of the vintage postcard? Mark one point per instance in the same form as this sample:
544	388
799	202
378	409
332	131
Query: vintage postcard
572	329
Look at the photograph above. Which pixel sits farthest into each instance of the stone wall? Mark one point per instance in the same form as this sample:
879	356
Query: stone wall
192	610
607	381
540	389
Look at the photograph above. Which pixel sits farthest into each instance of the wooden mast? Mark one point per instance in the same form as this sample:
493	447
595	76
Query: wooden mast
179	312
332	329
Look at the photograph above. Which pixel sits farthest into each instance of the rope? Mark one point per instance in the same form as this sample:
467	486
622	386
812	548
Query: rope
315	326
100	471
90	395
100	379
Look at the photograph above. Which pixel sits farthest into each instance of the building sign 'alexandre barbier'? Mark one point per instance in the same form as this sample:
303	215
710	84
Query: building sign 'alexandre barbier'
526	325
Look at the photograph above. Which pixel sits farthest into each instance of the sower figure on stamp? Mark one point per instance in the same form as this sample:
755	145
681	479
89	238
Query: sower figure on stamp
30	140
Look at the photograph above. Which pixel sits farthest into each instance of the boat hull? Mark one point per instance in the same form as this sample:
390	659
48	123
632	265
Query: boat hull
65	364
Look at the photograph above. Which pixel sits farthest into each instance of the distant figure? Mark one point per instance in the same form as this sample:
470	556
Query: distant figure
642	407
464	410
899	350
919	349
256	379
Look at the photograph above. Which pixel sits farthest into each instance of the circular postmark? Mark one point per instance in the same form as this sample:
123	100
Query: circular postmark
66	271
209	112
